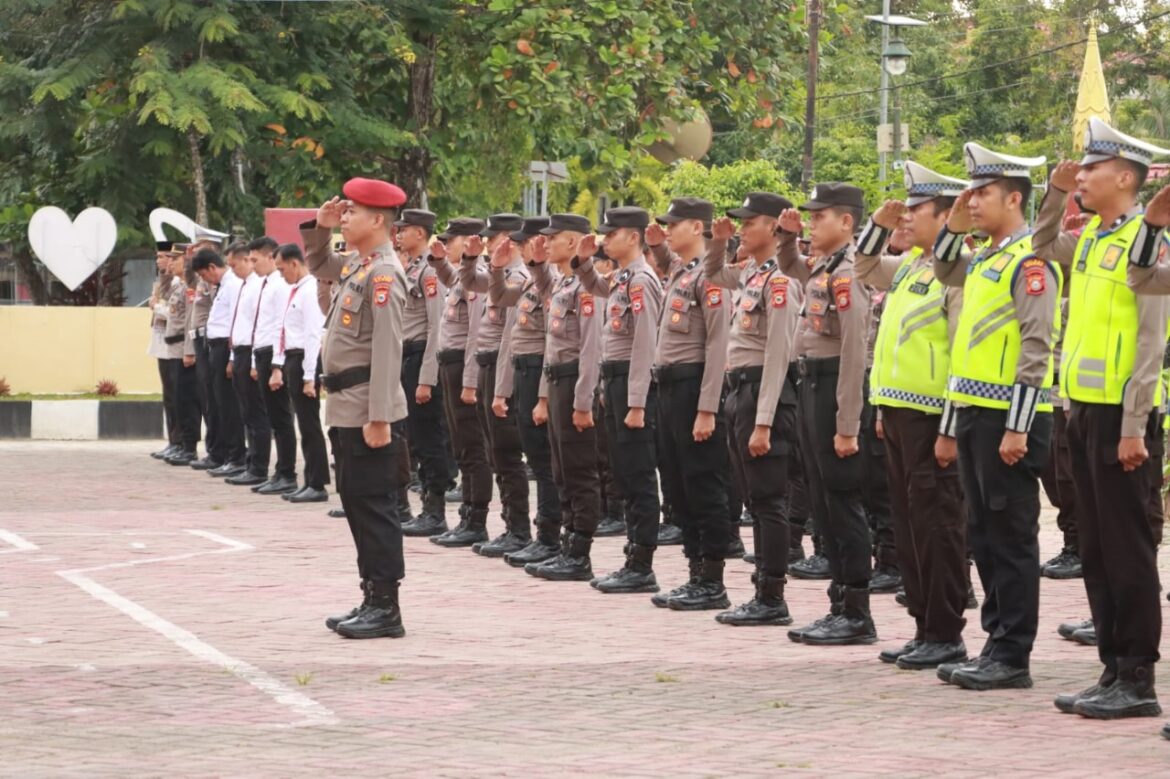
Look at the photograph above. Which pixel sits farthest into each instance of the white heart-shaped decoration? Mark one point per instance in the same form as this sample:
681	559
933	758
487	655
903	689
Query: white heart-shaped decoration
169	216
72	249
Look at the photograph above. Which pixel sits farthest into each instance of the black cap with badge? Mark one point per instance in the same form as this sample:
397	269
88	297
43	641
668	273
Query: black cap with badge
564	223
532	227
834	194
624	216
684	208
502	223
761	204
461	226
417	217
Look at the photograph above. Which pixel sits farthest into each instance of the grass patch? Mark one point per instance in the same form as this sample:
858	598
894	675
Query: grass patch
665	678
304	679
386	678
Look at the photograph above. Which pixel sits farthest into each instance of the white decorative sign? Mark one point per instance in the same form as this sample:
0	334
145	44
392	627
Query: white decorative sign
72	249
169	216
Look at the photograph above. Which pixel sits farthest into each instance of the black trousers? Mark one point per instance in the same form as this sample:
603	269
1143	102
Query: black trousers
1118	551
763	480
170	415
502	436
426	426
1057	478
796	500
834	483
632	455
257	429
695	474
308	414
574	456
875	491
367	480
278	406
230	438
930	526
610	499
1003	513
534	440
466	437
206	396
182	382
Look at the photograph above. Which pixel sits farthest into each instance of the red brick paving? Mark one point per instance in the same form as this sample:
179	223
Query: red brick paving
499	675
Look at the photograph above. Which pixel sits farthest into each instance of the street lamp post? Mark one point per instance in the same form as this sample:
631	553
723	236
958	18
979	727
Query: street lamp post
895	60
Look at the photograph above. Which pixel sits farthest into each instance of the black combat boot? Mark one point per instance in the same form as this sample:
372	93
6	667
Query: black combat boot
539	549
562	548
693	565
1066	702
472	529
1066	565
854	626
1132	695
573	564
517	535
932	654
767	608
836	594
613	518
885	577
815	566
669	535
379	617
735	548
333	622
892	654
637	575
431	521
706	593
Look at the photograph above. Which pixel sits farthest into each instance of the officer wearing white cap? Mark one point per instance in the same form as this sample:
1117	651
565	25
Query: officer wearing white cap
908	384
999	406
1110	374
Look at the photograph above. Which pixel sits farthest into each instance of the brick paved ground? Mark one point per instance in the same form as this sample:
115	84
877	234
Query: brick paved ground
214	660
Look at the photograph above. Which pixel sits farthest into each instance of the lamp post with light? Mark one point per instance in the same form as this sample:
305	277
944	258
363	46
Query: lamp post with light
895	59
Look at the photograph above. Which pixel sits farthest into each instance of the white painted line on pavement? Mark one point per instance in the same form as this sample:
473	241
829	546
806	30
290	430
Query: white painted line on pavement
312	713
18	543
137	545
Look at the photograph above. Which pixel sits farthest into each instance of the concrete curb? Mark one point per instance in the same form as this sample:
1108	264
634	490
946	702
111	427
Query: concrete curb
81	420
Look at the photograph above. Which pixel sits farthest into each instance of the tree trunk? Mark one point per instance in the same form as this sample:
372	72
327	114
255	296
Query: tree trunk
197	177
415	166
31	276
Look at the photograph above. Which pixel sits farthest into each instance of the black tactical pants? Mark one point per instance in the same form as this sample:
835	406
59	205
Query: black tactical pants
574	454
632	455
426	427
466	437
534	440
280	415
502	437
308	414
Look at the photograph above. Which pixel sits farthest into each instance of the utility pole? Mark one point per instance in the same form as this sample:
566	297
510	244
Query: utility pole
810	105
884	93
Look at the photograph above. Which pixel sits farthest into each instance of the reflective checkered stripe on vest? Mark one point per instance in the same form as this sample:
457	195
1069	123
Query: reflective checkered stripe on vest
911	360
1100	344
987	340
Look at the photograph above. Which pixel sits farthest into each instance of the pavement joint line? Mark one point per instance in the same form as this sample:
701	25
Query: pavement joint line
18	543
312	713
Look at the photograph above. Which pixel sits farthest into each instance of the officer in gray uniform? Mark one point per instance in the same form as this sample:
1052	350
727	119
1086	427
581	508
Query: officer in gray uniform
196	352
180	375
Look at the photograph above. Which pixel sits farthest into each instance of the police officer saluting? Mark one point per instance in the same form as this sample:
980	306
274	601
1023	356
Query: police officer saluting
634	298
1001	374
831	343
761	401
365	407
908	384
1110	374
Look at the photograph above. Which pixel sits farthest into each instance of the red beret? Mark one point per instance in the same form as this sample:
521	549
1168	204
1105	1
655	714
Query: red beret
374	193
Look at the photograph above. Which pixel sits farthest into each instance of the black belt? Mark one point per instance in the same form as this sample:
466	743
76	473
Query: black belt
752	374
447	356
615	368
216	341
811	367
564	370
665	374
263	350
486	358
174	339
411	348
245	348
343	380
294	353
528	361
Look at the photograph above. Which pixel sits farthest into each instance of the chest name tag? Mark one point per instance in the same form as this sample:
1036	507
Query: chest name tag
1112	256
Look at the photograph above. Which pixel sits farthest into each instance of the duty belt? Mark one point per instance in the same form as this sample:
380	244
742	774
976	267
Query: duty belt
484	359
811	367
615	368
411	348
448	356
564	370
173	339
343	380
528	361
752	374
665	374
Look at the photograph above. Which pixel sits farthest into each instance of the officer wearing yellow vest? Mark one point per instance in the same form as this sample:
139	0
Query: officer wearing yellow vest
908	384
998	394
1110	371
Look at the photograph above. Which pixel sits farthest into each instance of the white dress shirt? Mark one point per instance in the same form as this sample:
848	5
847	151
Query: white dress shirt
244	315
304	323
270	316
219	319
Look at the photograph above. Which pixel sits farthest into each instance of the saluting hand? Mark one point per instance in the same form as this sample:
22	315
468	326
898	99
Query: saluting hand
1075	222
960	219
474	247
582	420
502	256
946	451
540	250
1158	211
761	441
376	434
655	235
1013	447
437	249
890	214
722	229
1064	175
587	247
1132	452
329	214
500	406
790	221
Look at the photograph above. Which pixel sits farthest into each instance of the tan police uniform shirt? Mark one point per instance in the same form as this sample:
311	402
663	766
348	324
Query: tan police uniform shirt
423	315
462	312
197	315
525	335
176	304
574	329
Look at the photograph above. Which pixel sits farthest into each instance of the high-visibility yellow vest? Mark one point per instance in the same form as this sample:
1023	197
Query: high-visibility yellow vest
912	356
987	339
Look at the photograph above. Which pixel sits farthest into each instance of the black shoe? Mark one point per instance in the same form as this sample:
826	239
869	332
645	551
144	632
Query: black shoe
168	451
885	579
336	513
206	464
992	675
972	601
610	526
660	599
571	565
735	549
1166	731
707	593
932	654
795	554
536	552
669	535
277	485
502	544
749	558
1065	702
814	567
471	530
454	495
1120	700
1067	629
900	597
892	654
246	479
854	626
379	617
309	495
182	457
767	608
947	670
425	525
798	634
226	470
637	575
333	622
1086	636
1066	565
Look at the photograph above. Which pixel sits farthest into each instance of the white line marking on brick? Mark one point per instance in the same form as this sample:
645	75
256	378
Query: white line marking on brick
137	545
18	543
3	614
35	641
312	713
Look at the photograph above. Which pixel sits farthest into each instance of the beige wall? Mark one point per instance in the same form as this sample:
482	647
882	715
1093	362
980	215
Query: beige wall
62	349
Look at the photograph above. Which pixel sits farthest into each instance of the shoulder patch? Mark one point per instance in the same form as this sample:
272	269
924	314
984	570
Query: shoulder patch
381	291
1035	278
714	295
383	279
843	292
431	286
586	304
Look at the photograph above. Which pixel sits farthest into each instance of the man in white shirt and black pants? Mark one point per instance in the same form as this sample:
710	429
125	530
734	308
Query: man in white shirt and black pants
257	429
296	366
211	268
